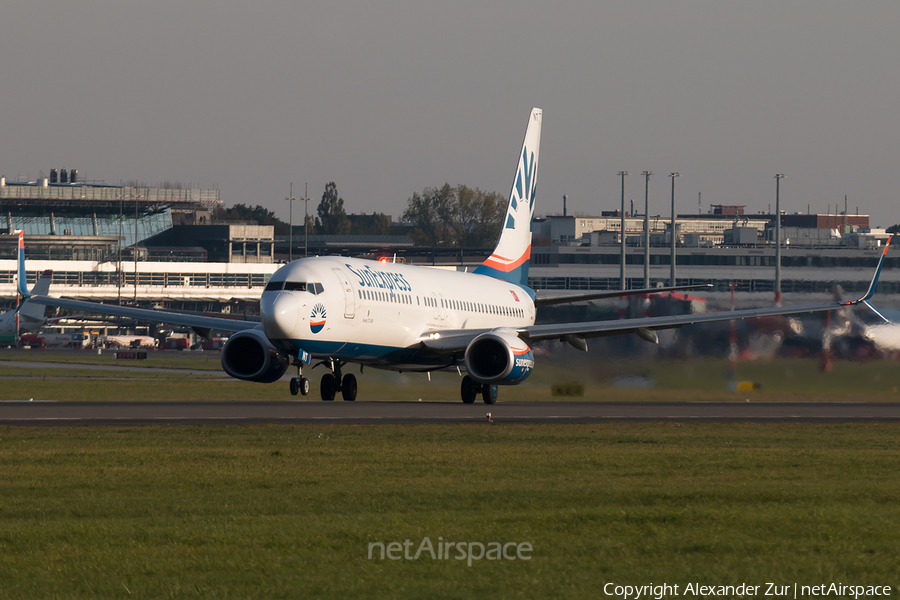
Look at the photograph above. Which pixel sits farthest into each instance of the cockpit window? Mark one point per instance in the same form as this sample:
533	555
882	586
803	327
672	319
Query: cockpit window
295	286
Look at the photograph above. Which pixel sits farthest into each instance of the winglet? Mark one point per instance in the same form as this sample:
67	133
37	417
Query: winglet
21	281
874	282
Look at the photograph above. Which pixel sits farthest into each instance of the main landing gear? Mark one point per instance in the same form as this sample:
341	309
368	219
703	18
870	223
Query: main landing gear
334	382
469	390
331	383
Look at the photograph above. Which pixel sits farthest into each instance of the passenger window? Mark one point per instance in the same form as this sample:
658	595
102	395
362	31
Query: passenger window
273	286
294	286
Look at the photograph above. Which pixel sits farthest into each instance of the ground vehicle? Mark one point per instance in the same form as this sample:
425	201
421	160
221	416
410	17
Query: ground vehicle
33	340
67	340
126	341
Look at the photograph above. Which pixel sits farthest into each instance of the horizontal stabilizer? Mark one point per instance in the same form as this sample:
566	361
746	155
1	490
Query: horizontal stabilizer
29	309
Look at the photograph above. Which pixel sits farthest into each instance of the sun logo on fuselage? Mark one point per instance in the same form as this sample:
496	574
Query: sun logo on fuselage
317	318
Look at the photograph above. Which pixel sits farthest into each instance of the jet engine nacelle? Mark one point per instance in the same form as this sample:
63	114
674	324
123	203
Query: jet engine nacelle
248	355
499	357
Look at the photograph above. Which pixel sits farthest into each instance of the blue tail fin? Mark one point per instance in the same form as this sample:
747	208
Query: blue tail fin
21	283
512	255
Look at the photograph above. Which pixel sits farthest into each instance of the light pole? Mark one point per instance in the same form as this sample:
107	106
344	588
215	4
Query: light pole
306	221
622	174
290	200
778	178
672	248
647	175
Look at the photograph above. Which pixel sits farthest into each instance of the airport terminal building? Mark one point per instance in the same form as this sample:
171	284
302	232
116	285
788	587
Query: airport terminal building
158	246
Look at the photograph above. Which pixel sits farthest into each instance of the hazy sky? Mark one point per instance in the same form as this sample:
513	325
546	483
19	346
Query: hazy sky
388	97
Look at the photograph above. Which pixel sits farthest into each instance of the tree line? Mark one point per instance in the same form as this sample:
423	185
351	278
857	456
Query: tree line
448	216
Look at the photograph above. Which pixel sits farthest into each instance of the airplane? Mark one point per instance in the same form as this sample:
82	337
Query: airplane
338	311
30	314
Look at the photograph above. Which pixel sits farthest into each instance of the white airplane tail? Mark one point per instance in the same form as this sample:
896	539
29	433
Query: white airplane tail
511	257
41	287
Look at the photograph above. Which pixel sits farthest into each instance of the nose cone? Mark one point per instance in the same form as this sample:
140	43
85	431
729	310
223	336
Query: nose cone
280	314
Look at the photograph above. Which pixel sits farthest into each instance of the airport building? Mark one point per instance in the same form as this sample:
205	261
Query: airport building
131	243
723	225
806	271
159	246
724	247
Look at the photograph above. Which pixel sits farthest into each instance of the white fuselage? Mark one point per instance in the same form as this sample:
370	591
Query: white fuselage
376	313
8	325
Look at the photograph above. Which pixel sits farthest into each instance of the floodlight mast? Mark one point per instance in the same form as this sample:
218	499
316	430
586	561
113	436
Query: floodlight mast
306	220
673	175
778	178
622	174
647	175
290	200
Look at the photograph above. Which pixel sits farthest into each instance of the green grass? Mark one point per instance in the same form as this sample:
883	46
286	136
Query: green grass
673	380
276	511
208	361
78	373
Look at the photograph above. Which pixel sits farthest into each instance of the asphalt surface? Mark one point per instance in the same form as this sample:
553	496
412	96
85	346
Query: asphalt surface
315	411
42	367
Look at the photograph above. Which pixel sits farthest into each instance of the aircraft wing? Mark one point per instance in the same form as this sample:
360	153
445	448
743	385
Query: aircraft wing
199	323
455	340
545	298
449	341
590	329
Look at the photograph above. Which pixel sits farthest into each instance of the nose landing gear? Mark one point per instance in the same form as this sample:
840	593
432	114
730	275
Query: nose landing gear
299	384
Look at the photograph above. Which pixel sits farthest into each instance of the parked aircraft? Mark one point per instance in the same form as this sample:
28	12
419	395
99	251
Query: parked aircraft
31	314
338	310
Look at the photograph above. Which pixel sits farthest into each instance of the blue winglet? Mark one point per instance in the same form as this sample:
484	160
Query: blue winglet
874	282
21	284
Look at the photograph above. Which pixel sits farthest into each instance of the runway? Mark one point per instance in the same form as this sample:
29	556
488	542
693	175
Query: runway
307	412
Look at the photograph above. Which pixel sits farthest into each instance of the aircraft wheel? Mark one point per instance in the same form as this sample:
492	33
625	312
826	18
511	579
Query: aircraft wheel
348	387
304	386
489	393
326	387
468	390
295	386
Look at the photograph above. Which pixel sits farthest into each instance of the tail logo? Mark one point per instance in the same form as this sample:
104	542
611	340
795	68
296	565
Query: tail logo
317	318
524	188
